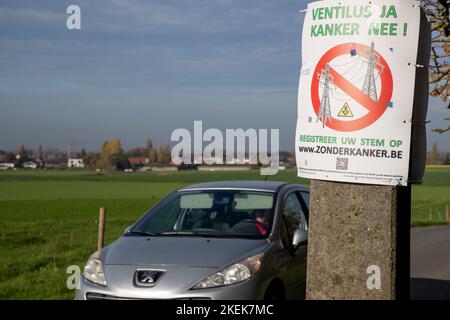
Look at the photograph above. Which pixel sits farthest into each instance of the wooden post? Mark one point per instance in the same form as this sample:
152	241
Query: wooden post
101	229
438	213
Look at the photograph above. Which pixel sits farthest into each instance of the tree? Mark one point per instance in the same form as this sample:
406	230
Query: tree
111	147
447	158
9	157
23	154
119	161
153	156
151	153
111	150
163	155
437	12
87	158
40	153
93	160
434	157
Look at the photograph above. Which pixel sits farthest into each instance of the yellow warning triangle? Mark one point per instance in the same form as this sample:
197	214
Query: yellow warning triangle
345	111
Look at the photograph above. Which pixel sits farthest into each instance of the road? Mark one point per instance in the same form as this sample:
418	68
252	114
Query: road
430	262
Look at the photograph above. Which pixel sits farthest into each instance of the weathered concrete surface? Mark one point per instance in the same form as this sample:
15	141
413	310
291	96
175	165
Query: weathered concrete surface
351	228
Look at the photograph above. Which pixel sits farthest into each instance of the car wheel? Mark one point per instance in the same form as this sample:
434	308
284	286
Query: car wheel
275	291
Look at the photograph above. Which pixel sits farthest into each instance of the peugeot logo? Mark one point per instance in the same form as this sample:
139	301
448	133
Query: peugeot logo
147	278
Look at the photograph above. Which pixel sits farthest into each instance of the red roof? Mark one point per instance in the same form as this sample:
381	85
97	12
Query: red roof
136	160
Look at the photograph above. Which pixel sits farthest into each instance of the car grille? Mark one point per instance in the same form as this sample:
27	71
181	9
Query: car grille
100	296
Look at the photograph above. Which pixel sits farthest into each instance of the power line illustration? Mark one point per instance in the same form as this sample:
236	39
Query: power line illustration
329	89
370	87
325	108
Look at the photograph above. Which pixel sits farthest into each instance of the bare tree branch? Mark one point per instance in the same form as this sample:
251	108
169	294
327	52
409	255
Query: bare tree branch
441	130
437	12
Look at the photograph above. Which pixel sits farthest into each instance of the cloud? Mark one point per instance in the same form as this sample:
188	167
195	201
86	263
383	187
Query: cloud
30	14
148	65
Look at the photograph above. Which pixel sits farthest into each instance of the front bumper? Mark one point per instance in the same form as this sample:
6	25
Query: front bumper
171	286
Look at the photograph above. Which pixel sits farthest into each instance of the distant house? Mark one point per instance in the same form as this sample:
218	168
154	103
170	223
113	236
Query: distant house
75	163
6	166
59	166
137	161
30	165
159	167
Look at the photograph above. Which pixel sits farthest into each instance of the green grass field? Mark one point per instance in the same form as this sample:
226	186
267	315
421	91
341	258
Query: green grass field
48	218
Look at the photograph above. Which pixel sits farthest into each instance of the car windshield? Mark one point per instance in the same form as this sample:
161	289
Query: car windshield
218	213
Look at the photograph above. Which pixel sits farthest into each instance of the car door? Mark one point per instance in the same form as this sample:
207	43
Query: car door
294	217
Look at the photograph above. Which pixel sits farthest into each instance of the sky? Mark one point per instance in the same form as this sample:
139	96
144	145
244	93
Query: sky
142	68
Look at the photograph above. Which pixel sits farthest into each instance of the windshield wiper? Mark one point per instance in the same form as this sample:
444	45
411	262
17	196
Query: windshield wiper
197	234
181	233
188	234
145	233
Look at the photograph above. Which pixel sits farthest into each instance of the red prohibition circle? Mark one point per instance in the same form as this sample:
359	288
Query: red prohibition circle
385	96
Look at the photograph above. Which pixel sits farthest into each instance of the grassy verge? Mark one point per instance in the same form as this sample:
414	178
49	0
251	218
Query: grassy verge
48	219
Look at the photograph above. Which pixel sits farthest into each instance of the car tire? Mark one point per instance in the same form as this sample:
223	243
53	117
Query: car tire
275	291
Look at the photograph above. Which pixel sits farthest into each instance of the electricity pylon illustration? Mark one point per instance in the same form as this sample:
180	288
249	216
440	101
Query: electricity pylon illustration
325	109
370	86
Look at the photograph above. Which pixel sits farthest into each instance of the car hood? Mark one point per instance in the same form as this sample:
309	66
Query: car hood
181	251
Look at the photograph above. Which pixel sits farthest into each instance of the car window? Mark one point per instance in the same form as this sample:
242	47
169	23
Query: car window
166	220
230	213
305	196
293	214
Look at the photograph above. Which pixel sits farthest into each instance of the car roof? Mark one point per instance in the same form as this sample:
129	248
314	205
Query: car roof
255	185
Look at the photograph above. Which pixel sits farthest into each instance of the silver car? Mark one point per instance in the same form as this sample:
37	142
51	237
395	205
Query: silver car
220	240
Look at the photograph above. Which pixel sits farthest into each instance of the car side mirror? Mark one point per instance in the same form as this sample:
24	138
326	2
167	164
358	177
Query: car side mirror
300	237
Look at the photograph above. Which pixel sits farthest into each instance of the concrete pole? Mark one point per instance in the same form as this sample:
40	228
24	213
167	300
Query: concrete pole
354	228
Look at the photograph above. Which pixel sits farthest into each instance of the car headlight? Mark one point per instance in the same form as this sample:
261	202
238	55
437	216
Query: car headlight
93	271
235	273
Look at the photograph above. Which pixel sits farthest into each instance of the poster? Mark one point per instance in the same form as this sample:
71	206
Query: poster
356	91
